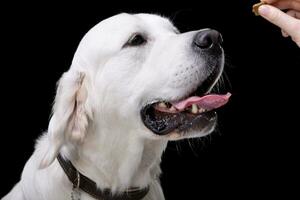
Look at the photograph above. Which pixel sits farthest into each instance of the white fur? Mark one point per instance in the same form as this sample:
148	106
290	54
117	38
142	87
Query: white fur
96	117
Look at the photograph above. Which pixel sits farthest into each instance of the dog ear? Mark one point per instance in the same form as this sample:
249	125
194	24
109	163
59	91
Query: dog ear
70	116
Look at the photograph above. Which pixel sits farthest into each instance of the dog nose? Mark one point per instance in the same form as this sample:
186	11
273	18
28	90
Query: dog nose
207	38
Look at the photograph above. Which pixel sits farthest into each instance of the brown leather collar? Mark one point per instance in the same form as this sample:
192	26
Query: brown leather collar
87	185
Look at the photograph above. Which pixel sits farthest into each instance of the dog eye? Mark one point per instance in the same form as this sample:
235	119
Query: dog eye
136	40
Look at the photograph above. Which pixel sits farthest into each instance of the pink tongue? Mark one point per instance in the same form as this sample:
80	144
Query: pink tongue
207	102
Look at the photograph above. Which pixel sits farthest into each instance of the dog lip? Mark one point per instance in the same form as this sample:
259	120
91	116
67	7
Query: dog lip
202	120
163	123
157	126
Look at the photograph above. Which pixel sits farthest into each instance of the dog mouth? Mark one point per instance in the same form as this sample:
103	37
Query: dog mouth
197	112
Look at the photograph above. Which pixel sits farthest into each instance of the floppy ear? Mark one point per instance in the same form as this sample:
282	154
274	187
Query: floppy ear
70	116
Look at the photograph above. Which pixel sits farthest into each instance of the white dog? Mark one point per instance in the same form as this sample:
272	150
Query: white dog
134	84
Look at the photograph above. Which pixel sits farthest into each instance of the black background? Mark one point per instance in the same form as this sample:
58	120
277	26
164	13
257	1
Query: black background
253	153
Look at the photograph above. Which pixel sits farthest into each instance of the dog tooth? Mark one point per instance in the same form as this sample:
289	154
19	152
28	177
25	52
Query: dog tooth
162	105
172	109
194	109
201	110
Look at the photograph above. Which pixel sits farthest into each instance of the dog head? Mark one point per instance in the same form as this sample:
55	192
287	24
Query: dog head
138	74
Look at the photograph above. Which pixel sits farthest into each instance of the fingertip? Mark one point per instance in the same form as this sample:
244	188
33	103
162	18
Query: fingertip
264	10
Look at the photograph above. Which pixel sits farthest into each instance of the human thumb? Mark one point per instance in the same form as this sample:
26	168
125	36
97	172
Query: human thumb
289	24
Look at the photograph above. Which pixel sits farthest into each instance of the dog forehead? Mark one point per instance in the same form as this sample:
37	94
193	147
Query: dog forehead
156	22
124	24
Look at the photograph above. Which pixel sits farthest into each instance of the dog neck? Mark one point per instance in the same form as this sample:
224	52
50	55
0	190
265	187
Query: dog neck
117	160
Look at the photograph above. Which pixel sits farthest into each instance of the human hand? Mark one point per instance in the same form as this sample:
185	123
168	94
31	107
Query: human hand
289	22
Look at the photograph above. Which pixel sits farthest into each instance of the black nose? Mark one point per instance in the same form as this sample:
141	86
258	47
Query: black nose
207	38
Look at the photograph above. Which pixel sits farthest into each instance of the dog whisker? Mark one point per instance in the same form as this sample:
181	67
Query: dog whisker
190	142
